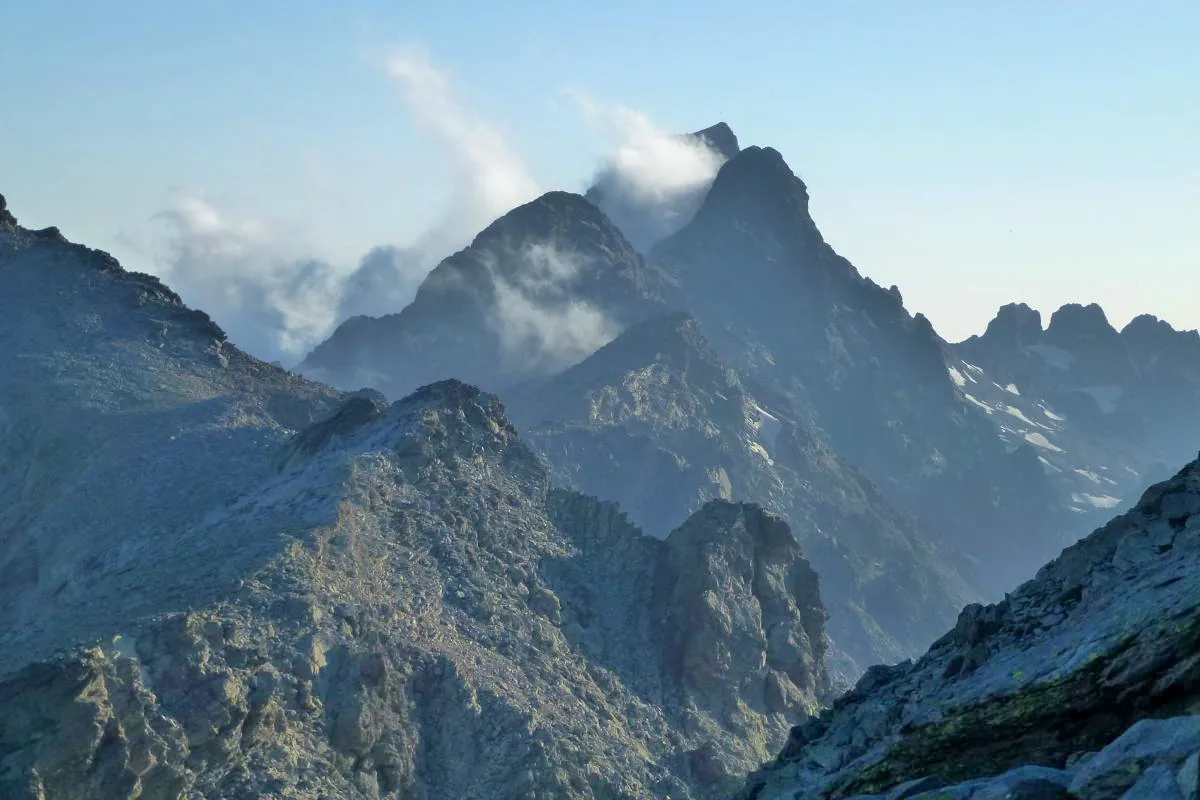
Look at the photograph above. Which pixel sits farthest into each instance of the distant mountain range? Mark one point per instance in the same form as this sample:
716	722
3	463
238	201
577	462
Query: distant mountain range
784	323
615	508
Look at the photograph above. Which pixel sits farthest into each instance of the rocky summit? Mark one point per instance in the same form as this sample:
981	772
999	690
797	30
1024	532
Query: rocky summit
221	580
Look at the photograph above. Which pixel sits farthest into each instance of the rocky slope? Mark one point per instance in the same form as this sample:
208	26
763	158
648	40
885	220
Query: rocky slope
1107	411
657	421
1084	683
536	291
223	581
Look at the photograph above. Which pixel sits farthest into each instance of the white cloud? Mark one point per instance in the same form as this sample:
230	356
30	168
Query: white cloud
541	325
276	303
270	304
653	181
490	179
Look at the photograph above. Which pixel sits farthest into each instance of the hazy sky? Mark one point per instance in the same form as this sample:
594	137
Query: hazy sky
972	153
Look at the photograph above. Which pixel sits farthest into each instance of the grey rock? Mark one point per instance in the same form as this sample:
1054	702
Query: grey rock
1162	743
1107	689
1156	783
1188	778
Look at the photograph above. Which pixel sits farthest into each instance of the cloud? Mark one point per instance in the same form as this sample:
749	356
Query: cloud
541	325
652	182
276	303
489	178
272	305
384	282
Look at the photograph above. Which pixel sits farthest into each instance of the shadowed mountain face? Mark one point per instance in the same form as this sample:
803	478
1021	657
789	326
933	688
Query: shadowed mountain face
219	579
791	315
1107	411
538	290
657	421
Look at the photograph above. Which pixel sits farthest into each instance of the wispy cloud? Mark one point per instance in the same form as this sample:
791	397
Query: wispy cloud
489	180
270	303
541	323
652	182
278	304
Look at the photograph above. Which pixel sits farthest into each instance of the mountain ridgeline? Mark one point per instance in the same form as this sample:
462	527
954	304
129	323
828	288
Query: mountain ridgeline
222	580
816	346
641	496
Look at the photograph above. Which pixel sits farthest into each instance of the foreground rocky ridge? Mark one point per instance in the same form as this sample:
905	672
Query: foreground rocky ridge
1085	681
226	581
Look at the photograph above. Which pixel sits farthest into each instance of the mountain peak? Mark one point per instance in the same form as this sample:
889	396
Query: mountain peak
551	213
1145	323
757	186
720	137
1075	319
1015	323
6	217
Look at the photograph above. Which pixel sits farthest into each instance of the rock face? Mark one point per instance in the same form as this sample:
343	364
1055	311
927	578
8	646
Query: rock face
220	580
538	290
792	316
1106	411
657	421
1083	681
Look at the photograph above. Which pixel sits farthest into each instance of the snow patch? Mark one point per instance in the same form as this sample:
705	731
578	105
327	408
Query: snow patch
1095	477
1016	412
766	423
973	368
1051	415
1012	389
1096	500
984	406
1106	397
1039	440
1048	465
1054	356
957	377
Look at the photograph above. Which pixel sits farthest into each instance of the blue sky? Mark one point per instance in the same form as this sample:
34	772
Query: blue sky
972	153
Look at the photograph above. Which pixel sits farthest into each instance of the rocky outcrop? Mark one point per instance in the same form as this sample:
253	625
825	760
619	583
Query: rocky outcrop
6	217
734	643
220	580
1082	683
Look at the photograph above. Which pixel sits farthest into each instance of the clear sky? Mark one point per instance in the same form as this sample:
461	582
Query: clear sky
974	153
